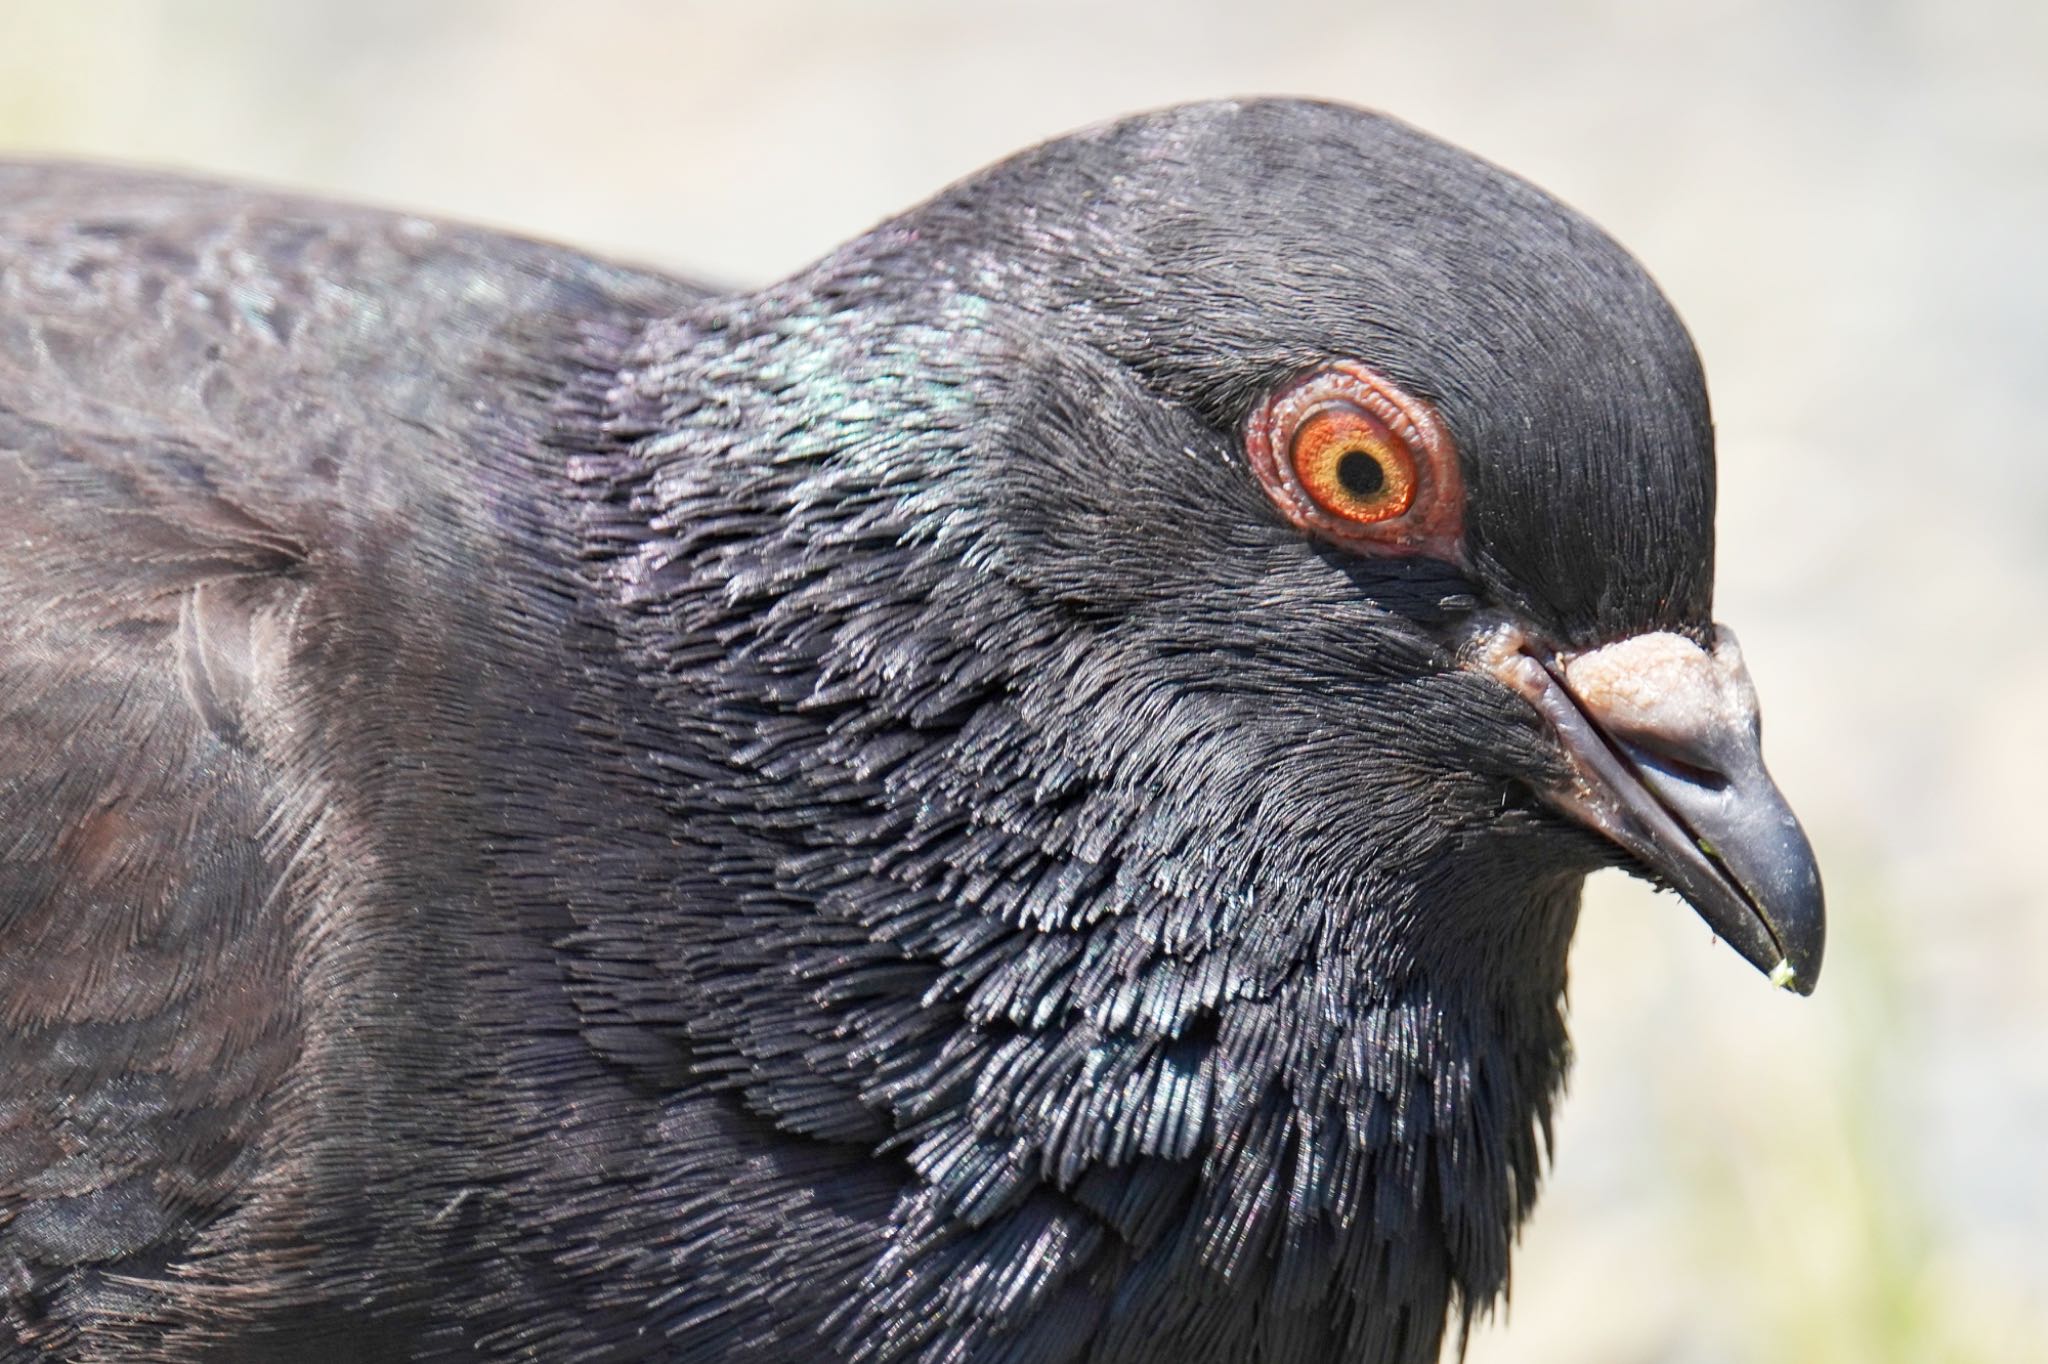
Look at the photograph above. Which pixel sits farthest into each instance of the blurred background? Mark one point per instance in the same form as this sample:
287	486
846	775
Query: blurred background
1846	199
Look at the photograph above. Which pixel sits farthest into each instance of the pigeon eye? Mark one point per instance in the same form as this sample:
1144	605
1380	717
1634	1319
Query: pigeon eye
1351	465
1347	455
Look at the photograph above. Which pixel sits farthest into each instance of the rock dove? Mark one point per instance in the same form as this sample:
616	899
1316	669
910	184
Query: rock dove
1019	796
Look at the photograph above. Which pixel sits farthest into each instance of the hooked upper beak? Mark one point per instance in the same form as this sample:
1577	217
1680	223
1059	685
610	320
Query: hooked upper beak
1664	746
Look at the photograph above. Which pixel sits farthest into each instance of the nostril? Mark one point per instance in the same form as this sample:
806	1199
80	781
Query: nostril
1667	758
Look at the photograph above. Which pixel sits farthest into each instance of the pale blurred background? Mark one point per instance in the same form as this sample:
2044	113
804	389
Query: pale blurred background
1848	199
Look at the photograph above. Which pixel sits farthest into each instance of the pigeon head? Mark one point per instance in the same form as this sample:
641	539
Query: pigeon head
1185	609
1148	296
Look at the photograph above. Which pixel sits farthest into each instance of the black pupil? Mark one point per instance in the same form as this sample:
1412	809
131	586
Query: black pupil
1360	473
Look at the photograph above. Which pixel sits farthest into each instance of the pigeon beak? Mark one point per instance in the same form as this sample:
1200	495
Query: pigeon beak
1664	746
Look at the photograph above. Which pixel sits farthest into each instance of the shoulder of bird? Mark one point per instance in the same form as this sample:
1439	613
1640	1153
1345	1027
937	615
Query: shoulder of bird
930	811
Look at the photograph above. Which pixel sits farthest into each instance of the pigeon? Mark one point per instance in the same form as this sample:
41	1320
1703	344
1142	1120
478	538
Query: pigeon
1019	796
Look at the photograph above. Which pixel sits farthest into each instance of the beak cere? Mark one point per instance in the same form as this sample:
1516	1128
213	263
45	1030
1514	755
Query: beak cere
1664	745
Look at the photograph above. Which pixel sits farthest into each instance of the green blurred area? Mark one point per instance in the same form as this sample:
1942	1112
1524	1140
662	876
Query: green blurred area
1845	200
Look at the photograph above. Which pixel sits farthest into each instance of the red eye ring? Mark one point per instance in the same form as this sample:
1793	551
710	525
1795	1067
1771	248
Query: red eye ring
1347	455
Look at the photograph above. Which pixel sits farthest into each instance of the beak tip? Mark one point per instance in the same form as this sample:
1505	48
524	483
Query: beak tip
1795	913
1786	976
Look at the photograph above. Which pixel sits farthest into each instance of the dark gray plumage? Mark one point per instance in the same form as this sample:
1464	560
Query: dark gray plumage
548	813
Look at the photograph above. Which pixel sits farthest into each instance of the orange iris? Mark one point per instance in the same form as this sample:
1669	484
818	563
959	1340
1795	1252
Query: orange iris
1352	465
